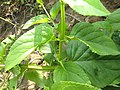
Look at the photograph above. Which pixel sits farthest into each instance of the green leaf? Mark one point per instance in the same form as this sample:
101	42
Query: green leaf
9	40
12	83
46	88
97	41
26	44
114	19
2	52
49	58
45	48
22	1
116	37
88	7
49	81
35	20
35	76
101	72
78	51
72	72
40	2
105	27
16	74
55	9
16	70
4	45
116	81
108	57
1	47
65	85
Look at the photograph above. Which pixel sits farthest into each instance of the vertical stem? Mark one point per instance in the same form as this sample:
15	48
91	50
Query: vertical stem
62	29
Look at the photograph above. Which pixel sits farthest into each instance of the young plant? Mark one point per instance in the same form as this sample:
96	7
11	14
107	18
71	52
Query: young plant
86	59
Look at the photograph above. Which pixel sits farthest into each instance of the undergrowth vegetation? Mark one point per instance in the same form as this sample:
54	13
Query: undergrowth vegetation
83	58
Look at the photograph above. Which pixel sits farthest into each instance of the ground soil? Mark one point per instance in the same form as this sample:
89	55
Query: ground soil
19	13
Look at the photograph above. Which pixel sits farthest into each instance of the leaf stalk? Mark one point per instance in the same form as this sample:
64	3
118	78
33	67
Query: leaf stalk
46	68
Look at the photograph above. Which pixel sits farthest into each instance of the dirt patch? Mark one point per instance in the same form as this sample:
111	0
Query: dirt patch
18	13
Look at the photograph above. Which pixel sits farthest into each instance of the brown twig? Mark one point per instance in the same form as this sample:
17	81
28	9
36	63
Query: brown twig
7	21
73	17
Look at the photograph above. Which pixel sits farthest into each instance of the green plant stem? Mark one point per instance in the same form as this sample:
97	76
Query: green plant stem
2	65
46	68
62	29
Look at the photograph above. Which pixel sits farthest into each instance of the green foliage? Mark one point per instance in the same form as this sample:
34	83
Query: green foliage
40	1
78	51
4	45
72	86
101	72
35	76
95	39
87	59
35	20
114	20
105	27
88	7
27	43
55	9
13	83
70	72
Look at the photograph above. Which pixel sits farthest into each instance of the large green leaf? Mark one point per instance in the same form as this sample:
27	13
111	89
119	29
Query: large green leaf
106	66
65	85
88	7
97	41
70	72
35	20
114	19
101	72
25	44
78	51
